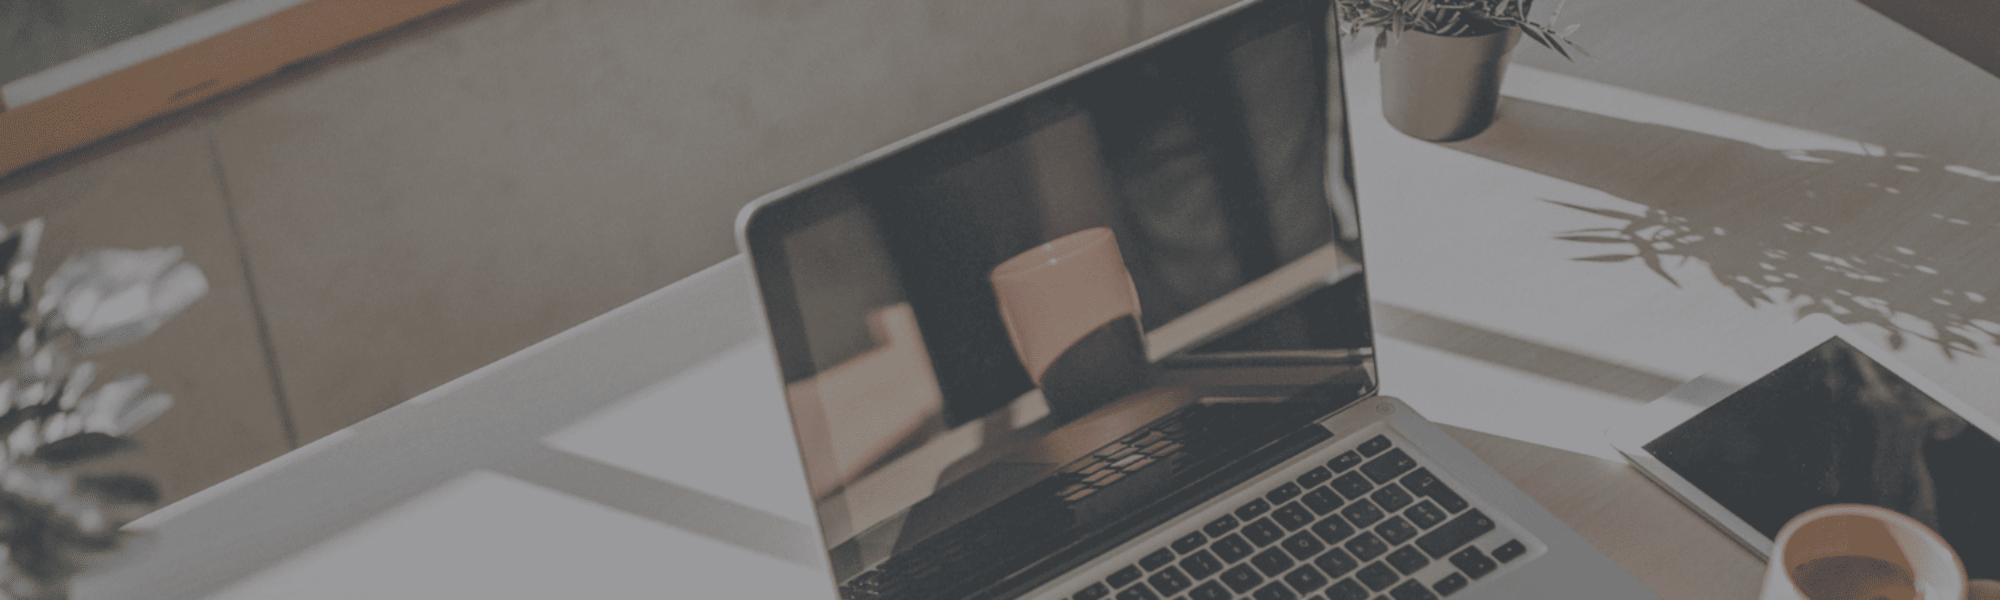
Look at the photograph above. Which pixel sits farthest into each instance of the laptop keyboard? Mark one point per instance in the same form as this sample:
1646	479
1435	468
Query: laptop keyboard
1183	448
1371	523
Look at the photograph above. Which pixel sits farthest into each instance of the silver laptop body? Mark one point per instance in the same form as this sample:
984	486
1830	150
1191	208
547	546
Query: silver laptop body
1109	338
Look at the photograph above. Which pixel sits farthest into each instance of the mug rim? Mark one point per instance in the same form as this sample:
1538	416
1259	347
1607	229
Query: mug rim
1779	542
1057	250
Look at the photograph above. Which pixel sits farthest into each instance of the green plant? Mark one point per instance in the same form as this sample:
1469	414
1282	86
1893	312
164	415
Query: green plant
1454	18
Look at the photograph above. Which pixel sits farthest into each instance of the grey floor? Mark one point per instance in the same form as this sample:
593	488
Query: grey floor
383	221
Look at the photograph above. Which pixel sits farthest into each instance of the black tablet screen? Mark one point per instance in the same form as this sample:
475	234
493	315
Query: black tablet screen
1834	426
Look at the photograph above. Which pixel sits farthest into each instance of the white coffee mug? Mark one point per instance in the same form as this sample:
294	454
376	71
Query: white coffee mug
1073	315
1054	294
1861	552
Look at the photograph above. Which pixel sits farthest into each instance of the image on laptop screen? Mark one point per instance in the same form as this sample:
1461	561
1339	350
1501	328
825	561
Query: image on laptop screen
1186	205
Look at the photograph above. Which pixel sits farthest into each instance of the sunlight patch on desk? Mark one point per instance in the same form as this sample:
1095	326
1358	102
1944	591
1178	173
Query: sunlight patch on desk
688	509
719	427
1575	93
485	535
1495	399
1519	353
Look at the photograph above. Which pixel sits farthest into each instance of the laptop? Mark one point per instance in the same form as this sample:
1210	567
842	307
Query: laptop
1108	338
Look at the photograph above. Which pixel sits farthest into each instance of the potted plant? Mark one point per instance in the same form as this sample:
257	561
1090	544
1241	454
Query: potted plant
59	411
1442	60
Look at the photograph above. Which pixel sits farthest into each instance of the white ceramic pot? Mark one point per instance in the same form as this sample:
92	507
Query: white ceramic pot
1442	88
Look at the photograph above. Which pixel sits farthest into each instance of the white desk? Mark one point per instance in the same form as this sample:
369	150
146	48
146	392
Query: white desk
645	453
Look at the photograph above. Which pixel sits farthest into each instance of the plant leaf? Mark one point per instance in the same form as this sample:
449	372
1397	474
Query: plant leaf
80	448
1550	39
1537	37
120	489
8	248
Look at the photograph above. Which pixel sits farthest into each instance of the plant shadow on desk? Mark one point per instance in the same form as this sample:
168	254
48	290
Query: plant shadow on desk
1896	239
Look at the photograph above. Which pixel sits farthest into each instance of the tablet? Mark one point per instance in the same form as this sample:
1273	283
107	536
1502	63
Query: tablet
1824	418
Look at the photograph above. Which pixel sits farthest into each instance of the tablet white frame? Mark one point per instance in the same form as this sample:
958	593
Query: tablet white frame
1693	397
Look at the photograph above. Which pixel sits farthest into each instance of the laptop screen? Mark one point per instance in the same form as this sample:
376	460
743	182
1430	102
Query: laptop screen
1184	207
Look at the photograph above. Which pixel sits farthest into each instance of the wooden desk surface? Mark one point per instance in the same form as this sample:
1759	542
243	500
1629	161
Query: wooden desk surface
1629	219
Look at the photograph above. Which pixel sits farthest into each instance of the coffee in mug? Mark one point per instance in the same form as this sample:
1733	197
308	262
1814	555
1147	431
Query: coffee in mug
1861	552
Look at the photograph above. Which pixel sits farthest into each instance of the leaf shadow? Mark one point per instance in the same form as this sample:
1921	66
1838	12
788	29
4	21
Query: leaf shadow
1896	239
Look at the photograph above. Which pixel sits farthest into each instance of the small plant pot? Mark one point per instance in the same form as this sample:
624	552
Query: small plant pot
1442	88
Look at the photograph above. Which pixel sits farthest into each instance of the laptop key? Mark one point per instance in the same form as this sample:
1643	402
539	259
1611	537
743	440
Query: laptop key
1275	591
1422	483
1333	529
1272	562
1509	551
1322	501
1303	545
1283	493
1316	476
1366	546
1124	577
1212	590
1347	589
1396	530
1201	564
1454	533
1412	590
1473	562
1352	485
1407	560
1219	526
1190	542
1232	548
1094	592
1425	514
1386	467
1292	516
1451	584
1138	592
1391	497
1252	509
1159	558
1241	579
1169	581
1305	579
1449	500
1346	460
1336	562
1262	532
1374	445
1377	576
1362	513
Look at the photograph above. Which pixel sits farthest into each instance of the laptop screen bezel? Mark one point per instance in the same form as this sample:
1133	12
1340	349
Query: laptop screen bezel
764	224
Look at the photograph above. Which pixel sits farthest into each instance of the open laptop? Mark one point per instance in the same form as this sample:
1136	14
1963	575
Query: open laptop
1109	338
